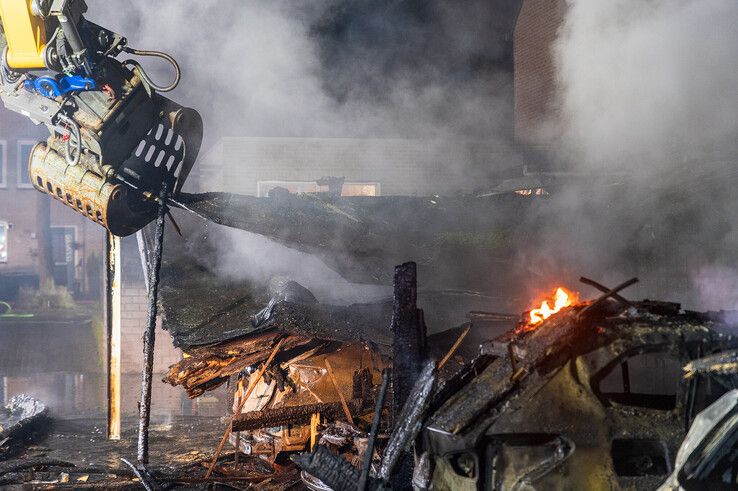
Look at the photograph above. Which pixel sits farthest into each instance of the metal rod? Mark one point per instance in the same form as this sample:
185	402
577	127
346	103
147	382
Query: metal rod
605	296
144	410
605	289
112	300
373	433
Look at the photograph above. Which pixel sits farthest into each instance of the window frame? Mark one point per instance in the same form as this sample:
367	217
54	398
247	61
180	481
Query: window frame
606	398
6	227
264	186
4	165
22	167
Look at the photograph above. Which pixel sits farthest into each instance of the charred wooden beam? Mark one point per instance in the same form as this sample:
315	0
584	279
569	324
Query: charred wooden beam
269	418
149	338
408	328
367	464
208	367
410	423
408	352
332	469
604	297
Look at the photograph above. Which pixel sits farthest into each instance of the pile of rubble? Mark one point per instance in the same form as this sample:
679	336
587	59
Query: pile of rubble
592	396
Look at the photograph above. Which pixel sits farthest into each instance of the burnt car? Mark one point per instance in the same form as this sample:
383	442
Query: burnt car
592	398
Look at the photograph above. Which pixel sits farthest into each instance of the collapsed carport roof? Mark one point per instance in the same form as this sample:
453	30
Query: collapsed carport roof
361	238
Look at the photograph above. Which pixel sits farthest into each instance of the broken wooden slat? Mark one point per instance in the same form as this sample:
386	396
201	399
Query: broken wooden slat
241	404
332	376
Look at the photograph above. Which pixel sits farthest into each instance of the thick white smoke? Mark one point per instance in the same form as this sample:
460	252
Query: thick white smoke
328	68
277	69
648	84
651	87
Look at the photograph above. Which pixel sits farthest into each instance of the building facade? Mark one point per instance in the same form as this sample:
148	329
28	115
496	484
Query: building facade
371	167
536	31
76	242
527	33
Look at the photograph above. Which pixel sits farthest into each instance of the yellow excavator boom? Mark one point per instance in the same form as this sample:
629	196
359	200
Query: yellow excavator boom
25	34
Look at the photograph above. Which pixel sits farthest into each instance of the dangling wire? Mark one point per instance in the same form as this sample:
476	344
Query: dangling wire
144	76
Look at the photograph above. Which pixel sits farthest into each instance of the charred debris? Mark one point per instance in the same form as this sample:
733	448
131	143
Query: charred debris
599	395
595	396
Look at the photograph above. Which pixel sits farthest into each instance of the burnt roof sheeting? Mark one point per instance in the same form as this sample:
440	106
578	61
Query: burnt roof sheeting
363	238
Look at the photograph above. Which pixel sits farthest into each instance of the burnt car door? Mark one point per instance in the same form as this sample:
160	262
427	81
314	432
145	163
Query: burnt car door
647	402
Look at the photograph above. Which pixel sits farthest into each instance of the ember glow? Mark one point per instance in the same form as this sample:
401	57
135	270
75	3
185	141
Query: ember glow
561	298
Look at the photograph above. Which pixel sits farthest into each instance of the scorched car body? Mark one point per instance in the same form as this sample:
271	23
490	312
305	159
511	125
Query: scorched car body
599	403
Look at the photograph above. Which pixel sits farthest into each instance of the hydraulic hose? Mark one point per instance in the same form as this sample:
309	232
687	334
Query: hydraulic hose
144	76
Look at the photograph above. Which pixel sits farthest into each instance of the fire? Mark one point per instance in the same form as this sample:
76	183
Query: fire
561	299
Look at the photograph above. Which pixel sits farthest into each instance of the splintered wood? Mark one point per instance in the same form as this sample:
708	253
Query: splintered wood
208	367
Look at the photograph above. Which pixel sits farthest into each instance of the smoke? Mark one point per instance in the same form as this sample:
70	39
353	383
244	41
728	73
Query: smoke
645	87
648	87
330	68
717	287
648	84
247	255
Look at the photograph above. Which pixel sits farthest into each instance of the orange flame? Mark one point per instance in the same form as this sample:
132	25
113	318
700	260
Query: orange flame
561	299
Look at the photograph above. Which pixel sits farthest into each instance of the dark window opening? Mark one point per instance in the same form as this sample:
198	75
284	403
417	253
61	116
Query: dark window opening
649	380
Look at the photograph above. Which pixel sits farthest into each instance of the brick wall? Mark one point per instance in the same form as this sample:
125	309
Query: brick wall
535	76
19	204
134	313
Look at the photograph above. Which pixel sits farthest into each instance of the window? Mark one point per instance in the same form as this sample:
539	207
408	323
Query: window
299	187
23	156
641	379
3	166
62	245
63	253
360	189
3	242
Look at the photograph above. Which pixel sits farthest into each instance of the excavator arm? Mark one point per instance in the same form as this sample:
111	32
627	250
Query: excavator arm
114	139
